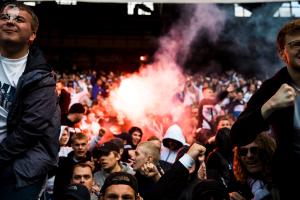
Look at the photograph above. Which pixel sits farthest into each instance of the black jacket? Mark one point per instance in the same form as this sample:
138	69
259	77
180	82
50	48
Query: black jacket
31	146
250	123
64	173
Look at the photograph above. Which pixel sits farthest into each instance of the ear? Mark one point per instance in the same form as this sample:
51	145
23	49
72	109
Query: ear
150	159
121	151
283	56
118	156
32	38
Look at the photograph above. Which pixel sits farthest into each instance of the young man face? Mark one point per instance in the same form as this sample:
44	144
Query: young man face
119	192
110	161
140	158
291	51
15	26
224	123
80	148
83	175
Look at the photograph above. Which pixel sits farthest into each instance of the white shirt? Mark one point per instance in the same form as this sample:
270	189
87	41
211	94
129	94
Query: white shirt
10	72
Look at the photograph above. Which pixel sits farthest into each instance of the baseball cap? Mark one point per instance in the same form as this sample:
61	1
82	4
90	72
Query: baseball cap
77	192
107	147
120	178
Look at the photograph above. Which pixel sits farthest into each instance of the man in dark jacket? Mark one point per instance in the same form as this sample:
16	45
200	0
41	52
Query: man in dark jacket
276	105
29	110
80	154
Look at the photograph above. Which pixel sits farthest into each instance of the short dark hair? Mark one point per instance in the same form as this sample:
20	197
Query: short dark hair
135	129
288	29
76	191
120	178
77	108
108	147
34	22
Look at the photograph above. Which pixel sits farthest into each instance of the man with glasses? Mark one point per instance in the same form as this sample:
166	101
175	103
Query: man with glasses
276	105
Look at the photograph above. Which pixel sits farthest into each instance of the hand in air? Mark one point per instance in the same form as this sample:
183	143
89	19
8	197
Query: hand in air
284	97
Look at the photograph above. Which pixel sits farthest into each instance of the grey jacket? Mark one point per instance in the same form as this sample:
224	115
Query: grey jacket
31	147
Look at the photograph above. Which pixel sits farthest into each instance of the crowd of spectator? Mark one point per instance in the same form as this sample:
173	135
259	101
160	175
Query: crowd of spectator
96	142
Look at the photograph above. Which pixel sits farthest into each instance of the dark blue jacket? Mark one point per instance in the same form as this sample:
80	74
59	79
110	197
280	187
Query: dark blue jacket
31	147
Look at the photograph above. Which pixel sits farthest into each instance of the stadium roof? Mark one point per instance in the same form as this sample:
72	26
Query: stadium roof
158	1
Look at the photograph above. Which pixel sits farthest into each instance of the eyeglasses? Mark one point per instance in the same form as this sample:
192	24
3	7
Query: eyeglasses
244	151
294	44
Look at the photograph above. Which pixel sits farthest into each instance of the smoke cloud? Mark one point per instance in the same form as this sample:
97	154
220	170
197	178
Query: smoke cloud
152	90
246	44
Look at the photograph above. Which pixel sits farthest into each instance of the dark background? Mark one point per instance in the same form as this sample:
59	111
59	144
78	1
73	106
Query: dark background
103	36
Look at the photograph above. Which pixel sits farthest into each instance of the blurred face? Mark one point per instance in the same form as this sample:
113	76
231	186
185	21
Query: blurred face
250	159
224	124
84	176
136	137
173	145
110	161
209	94
59	87
77	117
252	88
15	26
119	192
291	51
139	159
64	138
240	96
80	148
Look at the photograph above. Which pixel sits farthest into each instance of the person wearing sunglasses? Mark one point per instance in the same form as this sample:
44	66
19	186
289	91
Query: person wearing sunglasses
252	168
276	106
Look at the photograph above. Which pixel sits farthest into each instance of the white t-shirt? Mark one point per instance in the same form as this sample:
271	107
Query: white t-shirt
10	72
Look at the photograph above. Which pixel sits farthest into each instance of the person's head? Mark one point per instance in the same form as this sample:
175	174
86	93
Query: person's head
18	25
254	159
223	121
207	189
173	145
252	87
60	84
109	156
223	141
155	140
120	185
119	143
239	94
208	93
64	137
145	152
288	43
125	137
83	174
76	112
136	134
76	192
174	138
79	143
